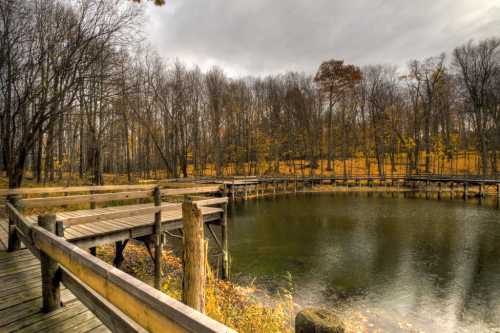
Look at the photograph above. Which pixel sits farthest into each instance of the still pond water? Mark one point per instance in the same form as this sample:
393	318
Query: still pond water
426	264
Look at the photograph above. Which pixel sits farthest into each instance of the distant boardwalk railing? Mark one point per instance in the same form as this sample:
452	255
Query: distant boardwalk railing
122	302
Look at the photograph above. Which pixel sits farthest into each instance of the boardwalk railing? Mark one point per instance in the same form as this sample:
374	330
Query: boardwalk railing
141	192
120	301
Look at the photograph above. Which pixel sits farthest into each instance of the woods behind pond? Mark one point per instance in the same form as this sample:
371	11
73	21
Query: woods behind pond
81	94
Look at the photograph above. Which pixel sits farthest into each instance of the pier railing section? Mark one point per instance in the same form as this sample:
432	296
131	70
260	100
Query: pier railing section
122	302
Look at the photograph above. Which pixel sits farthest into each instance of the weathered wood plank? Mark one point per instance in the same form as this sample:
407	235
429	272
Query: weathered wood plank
135	224
20	287
79	199
111	316
99	329
89	326
28	312
72	323
20	221
20	297
128	294
212	202
190	190
73	189
54	318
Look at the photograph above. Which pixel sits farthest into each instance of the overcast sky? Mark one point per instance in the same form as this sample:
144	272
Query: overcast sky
259	37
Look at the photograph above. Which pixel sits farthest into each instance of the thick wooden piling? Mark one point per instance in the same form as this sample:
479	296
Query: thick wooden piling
51	277
14	243
158	238
466	190
194	260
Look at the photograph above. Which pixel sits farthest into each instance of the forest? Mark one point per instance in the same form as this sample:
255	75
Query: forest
82	95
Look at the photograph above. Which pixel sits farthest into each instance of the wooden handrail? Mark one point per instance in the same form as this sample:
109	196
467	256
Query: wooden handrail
74	189
190	190
150	308
113	295
106	197
79	199
212	202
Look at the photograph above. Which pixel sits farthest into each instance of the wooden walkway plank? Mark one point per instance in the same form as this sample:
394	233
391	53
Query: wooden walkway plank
4	231
47	320
20	276
30	284
88	326
21	296
99	329
81	323
66	322
30	311
21	300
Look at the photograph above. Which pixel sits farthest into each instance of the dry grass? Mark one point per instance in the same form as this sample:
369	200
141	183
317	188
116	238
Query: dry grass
226	302
462	163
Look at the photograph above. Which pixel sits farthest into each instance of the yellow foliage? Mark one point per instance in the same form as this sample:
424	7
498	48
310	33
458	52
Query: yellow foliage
226	302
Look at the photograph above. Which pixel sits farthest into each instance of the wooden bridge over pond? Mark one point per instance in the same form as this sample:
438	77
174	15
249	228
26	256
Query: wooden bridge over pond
51	281
243	187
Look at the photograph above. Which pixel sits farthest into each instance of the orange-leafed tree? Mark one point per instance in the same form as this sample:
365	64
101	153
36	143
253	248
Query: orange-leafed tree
334	79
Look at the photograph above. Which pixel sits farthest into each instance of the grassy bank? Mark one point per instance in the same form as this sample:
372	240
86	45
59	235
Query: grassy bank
236	306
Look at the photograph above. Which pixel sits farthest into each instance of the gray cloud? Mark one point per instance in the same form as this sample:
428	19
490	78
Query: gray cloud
269	36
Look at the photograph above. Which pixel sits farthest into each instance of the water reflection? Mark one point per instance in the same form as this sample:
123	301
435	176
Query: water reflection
435	264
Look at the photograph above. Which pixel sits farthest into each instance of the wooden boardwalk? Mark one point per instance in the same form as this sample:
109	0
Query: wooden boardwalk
21	298
103	229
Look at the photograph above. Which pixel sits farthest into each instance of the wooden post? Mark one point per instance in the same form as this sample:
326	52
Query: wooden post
466	190
60	228
439	190
119	258
93	250
246	191
158	238
481	190
194	278
274	188
225	249
51	290
14	242
233	189
92	202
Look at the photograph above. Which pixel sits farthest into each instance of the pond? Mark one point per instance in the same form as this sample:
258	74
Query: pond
400	262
